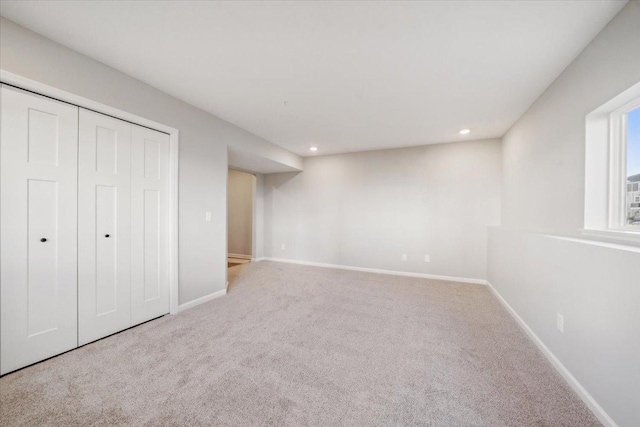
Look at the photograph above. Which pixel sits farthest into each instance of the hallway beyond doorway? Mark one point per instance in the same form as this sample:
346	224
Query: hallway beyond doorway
232	262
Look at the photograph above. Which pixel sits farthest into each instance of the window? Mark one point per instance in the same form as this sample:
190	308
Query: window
612	168
632	172
624	213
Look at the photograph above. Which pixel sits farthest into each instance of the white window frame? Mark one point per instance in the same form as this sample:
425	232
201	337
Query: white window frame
606	169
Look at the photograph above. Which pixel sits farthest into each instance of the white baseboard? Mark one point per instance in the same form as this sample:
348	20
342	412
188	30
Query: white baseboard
597	410
258	259
198	301
240	256
373	270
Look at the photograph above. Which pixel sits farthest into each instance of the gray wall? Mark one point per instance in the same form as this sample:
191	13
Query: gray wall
258	218
597	289
366	209
544	152
204	140
240	194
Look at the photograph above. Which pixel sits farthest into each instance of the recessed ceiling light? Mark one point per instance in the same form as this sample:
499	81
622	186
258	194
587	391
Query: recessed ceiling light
464	131
313	148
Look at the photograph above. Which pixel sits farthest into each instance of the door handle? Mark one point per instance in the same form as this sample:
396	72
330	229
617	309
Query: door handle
43	240
106	235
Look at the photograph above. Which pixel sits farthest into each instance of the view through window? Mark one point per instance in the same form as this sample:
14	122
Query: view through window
633	168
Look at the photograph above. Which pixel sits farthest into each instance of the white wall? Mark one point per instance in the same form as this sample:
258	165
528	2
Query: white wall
240	194
544	152
204	140
366	209
258	218
597	289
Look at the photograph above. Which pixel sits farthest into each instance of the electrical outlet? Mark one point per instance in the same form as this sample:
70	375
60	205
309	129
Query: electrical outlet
282	246
560	323
207	216
404	257
427	258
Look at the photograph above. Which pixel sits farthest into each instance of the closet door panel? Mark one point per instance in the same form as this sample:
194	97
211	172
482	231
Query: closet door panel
149	224
104	226
38	224
106	250
43	258
151	244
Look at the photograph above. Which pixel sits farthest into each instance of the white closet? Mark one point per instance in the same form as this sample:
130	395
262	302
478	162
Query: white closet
84	226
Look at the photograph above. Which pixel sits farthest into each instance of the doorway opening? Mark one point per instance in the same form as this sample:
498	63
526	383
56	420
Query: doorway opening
241	189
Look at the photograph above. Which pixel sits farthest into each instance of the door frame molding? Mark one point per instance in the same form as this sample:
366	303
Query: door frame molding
174	142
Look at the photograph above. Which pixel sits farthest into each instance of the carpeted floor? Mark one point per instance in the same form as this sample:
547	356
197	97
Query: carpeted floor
294	345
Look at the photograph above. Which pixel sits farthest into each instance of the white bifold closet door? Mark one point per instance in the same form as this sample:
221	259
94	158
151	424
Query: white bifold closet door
123	276
149	224
104	226
38	226
84	223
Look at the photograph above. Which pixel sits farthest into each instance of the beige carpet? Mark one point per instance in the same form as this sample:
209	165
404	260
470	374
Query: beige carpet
293	346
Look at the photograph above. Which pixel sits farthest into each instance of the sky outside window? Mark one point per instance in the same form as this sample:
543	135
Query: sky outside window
633	142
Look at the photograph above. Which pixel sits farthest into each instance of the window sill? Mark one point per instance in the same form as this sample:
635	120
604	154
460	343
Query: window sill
620	235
